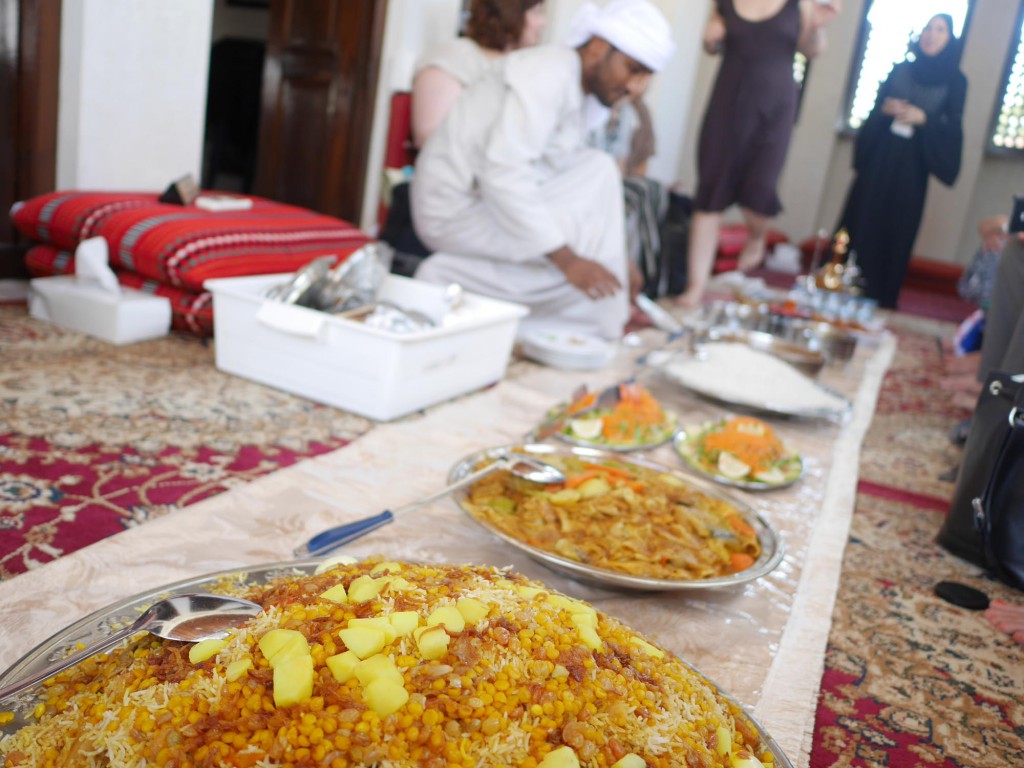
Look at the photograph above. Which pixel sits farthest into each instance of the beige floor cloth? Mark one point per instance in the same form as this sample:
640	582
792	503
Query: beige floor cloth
763	643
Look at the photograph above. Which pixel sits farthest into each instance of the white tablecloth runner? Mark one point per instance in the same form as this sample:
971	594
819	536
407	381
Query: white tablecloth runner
763	643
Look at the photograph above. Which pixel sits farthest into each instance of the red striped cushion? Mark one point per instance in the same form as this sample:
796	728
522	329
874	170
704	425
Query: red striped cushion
190	312
183	245
67	218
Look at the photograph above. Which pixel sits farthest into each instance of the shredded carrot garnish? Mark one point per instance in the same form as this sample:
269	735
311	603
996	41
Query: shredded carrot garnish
748	439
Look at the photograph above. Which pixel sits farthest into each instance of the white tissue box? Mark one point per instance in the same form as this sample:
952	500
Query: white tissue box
120	318
344	363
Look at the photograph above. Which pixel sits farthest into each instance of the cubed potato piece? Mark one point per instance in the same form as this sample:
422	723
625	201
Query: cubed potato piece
388	566
381	623
237	669
342	665
744	759
723	741
472	610
448	616
589	637
205	649
630	761
404	622
432	642
335	562
363	641
529	592
397	583
570	604
564	497
335	594
375	667
585	620
385	696
595	486
284	643
293	681
647	648
365	588
563	757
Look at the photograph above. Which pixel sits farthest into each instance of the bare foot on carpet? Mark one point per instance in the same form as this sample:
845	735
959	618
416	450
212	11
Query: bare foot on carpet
1007	618
751	257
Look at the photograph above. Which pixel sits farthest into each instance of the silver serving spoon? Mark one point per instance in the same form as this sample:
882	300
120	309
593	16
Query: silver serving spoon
520	465
188	618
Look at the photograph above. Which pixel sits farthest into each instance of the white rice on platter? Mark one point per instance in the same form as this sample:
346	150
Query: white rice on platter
739	374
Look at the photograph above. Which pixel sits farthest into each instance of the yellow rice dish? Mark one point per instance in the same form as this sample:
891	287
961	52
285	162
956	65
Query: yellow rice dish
622	517
388	665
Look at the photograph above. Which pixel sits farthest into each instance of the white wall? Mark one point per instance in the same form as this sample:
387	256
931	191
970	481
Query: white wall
132	92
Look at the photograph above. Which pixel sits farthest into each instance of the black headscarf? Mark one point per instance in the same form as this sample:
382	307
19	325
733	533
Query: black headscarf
933	70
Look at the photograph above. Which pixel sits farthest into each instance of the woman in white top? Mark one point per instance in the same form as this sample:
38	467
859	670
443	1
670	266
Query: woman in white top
494	27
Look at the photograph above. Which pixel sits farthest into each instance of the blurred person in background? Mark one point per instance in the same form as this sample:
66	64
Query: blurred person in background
746	130
914	131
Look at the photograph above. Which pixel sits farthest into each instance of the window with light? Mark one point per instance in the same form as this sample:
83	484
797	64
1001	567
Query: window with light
1008	126
888	28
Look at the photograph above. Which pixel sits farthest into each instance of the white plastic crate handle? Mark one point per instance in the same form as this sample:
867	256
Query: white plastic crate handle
288	318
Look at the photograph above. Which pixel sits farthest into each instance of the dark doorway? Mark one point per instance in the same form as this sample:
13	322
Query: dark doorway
234	90
29	72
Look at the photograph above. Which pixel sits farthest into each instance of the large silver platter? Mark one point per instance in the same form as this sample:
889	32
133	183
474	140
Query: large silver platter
684	442
101	623
772	549
104	622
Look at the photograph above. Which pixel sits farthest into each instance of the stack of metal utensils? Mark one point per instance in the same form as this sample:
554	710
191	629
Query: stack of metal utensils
351	288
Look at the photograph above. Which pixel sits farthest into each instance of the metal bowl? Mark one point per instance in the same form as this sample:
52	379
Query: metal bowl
772	549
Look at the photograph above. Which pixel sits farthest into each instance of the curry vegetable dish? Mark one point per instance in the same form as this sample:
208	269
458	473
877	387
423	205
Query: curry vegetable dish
622	517
390	664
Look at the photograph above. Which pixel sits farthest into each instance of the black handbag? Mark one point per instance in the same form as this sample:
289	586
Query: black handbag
999	510
990	428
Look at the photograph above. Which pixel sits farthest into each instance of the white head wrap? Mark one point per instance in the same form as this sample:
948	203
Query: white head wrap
635	27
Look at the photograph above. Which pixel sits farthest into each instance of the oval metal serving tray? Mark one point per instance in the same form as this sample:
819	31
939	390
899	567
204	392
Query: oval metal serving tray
772	549
682	439
98	625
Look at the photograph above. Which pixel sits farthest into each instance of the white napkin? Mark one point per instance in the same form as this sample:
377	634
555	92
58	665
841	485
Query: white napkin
92	265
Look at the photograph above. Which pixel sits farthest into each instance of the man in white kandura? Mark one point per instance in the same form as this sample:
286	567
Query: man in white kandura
508	195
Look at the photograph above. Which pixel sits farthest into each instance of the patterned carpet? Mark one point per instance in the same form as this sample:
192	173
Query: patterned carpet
95	438
911	681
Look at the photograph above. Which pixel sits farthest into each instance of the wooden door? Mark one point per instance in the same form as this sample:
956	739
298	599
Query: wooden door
29	71
319	85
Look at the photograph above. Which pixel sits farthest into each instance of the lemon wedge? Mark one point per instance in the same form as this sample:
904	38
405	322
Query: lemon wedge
586	429
731	467
773	476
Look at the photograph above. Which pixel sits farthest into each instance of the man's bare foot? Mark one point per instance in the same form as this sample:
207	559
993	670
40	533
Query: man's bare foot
1007	618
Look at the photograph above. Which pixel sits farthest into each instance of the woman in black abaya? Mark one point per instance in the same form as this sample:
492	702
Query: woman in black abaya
914	131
